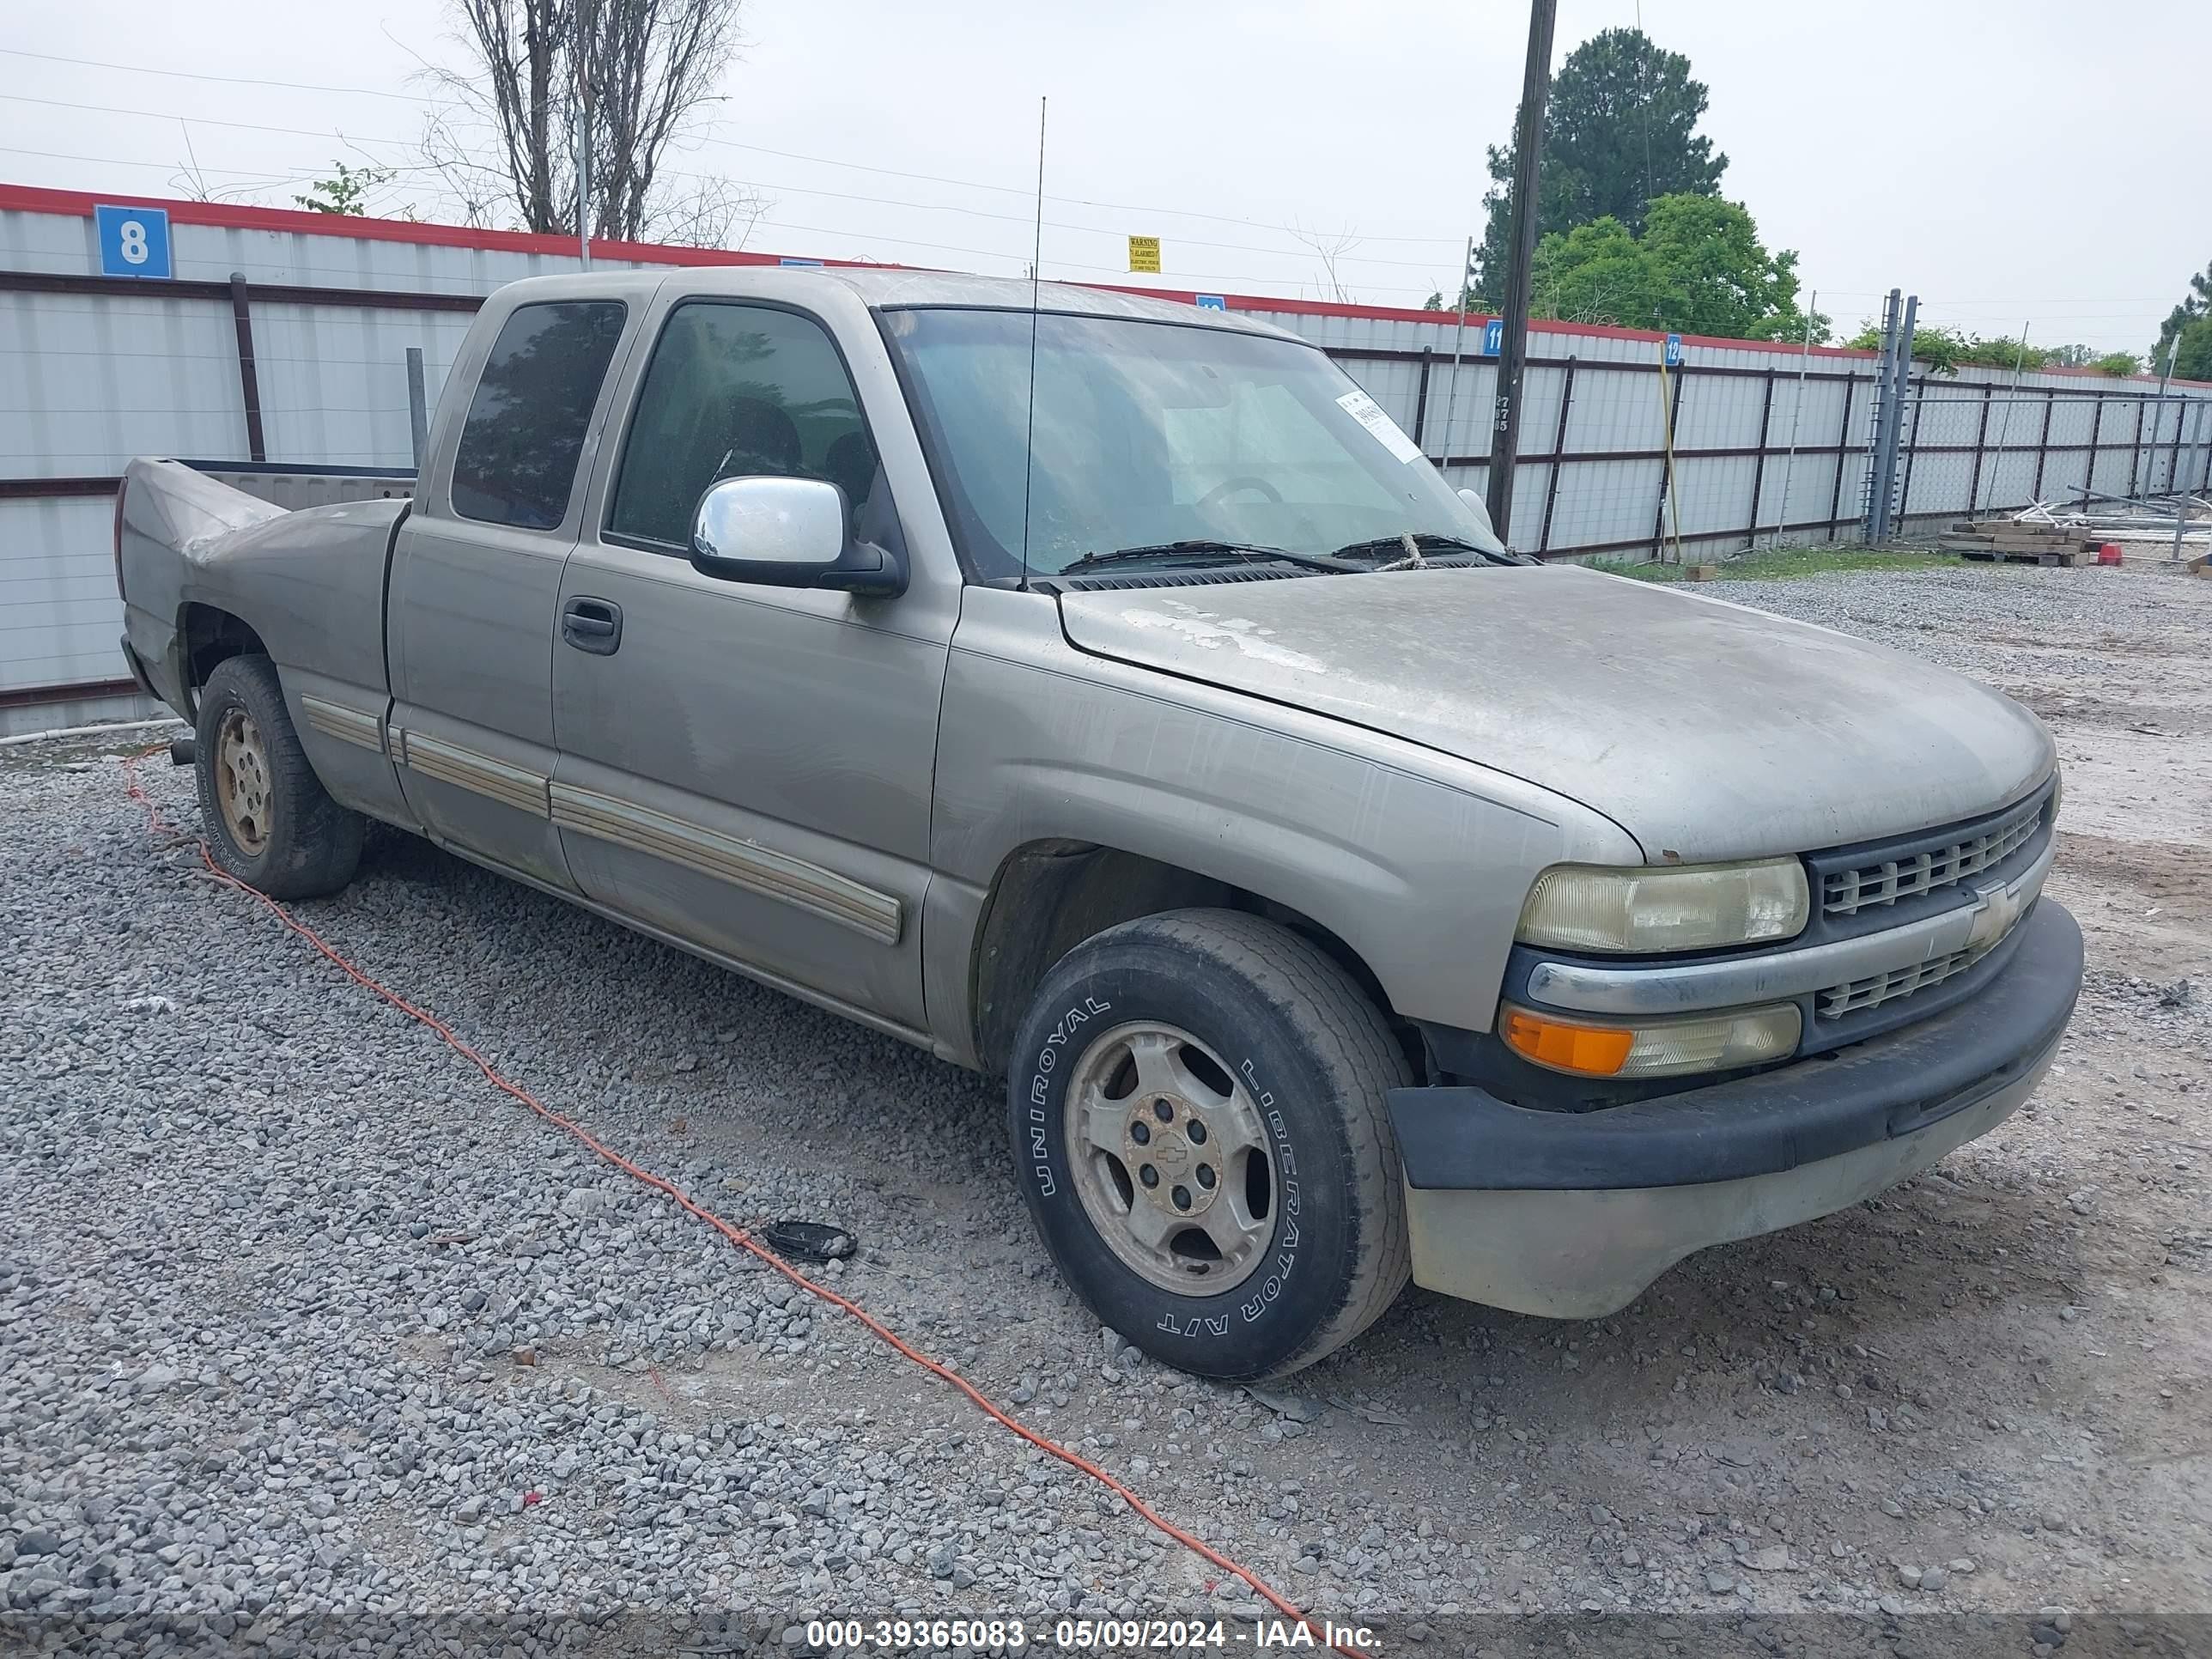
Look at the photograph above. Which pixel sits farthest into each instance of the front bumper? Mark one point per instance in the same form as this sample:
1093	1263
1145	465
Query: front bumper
1572	1214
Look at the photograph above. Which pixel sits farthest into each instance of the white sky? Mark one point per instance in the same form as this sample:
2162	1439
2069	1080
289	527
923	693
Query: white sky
2015	161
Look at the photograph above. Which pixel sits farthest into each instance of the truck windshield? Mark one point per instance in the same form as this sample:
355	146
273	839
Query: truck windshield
1148	433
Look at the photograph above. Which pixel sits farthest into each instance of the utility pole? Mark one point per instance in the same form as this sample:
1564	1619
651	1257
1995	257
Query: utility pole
1513	347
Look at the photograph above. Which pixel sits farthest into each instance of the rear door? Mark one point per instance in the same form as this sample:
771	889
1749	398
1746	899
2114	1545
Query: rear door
748	767
476	582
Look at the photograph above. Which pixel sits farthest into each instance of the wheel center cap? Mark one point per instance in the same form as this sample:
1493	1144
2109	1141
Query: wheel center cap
1168	1149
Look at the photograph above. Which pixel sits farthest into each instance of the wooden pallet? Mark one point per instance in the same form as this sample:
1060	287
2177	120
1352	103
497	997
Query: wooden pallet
2019	541
2011	555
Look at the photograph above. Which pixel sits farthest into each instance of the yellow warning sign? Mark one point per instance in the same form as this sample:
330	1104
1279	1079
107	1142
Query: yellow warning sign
1144	254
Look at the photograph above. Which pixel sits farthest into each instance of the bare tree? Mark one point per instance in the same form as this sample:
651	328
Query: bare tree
638	73
190	181
1329	247
709	213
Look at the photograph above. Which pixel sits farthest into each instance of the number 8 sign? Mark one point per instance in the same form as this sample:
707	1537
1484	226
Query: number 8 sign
134	241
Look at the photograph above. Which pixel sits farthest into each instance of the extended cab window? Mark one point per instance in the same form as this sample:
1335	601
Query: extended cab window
736	390
517	459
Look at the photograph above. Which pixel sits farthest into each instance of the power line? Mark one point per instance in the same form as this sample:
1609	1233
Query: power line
198	120
1059	224
1066	264
2161	302
813	230
777	224
1071	201
728	143
161	167
225	80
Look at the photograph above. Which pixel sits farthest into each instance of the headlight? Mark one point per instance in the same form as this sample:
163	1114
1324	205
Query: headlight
1714	1042
1686	907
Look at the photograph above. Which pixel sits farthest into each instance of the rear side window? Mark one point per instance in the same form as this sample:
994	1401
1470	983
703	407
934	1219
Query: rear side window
736	390
517	460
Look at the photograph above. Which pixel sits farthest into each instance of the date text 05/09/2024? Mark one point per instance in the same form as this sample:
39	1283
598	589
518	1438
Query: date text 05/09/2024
1090	1635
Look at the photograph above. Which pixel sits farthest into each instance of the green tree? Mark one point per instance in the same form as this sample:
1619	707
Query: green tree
2196	303
1698	268
1619	131
2120	363
2192	350
2002	353
1944	349
346	192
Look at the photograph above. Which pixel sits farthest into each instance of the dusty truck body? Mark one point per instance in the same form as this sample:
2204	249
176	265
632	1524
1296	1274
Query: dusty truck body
1112	699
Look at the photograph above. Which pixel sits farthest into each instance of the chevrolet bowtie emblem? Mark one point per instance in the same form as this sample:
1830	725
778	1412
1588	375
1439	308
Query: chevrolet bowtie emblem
1994	916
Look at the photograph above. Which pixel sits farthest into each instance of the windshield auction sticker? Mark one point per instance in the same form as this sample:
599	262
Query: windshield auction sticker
1370	414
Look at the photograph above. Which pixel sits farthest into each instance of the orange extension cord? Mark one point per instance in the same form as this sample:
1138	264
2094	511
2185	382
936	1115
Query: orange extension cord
156	824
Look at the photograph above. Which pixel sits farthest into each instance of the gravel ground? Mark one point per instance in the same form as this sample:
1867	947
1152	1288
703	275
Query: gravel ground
298	1318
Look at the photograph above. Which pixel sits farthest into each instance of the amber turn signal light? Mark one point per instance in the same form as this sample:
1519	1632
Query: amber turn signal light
1657	1048
1594	1051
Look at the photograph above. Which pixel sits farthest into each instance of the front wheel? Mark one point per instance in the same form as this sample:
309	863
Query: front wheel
1196	1105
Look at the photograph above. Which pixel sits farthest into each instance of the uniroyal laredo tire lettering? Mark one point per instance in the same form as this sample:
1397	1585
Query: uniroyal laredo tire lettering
1313	1058
1041	1085
1286	1226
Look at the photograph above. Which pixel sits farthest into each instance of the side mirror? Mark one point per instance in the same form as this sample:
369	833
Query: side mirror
787	532
1480	508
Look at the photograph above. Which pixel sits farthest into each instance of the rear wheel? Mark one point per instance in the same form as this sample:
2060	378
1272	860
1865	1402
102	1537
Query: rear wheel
269	821
1196	1105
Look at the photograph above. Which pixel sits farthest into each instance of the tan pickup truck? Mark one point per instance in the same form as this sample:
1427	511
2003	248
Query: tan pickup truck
1110	697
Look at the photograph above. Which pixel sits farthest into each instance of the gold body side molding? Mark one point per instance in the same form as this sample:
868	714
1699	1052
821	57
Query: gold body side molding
465	769
757	869
352	726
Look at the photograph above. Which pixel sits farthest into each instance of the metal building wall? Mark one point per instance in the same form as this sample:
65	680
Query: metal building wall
1768	443
88	381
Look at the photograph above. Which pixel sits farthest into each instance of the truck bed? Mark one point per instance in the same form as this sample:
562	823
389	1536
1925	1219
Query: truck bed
200	560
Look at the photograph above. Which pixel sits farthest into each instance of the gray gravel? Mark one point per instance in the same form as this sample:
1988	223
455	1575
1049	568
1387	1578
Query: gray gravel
2001	623
300	1320
299	1313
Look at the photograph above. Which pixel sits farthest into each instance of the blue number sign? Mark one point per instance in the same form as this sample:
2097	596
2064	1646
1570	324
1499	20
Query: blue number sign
1673	351
1212	303
1493	336
134	241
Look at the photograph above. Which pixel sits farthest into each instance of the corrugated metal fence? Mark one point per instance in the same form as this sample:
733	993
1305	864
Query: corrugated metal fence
282	337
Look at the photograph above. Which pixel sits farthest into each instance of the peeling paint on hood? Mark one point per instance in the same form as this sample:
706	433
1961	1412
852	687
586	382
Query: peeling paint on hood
1209	632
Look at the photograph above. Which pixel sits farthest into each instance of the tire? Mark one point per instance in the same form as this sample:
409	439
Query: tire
269	822
1290	1262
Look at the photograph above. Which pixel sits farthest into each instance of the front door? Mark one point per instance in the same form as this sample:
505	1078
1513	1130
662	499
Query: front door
476	579
748	767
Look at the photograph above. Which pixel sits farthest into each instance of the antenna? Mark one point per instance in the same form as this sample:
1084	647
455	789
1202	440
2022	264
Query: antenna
1029	432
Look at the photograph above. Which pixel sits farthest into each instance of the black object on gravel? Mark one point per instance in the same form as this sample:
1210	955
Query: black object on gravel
810	1241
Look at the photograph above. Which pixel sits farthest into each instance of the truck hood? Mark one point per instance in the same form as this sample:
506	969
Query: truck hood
1704	729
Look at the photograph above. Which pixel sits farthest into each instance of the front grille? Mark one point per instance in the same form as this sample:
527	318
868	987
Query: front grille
1871	993
1847	893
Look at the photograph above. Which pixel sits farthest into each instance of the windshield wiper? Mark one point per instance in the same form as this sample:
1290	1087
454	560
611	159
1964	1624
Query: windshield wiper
1203	551
1429	541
